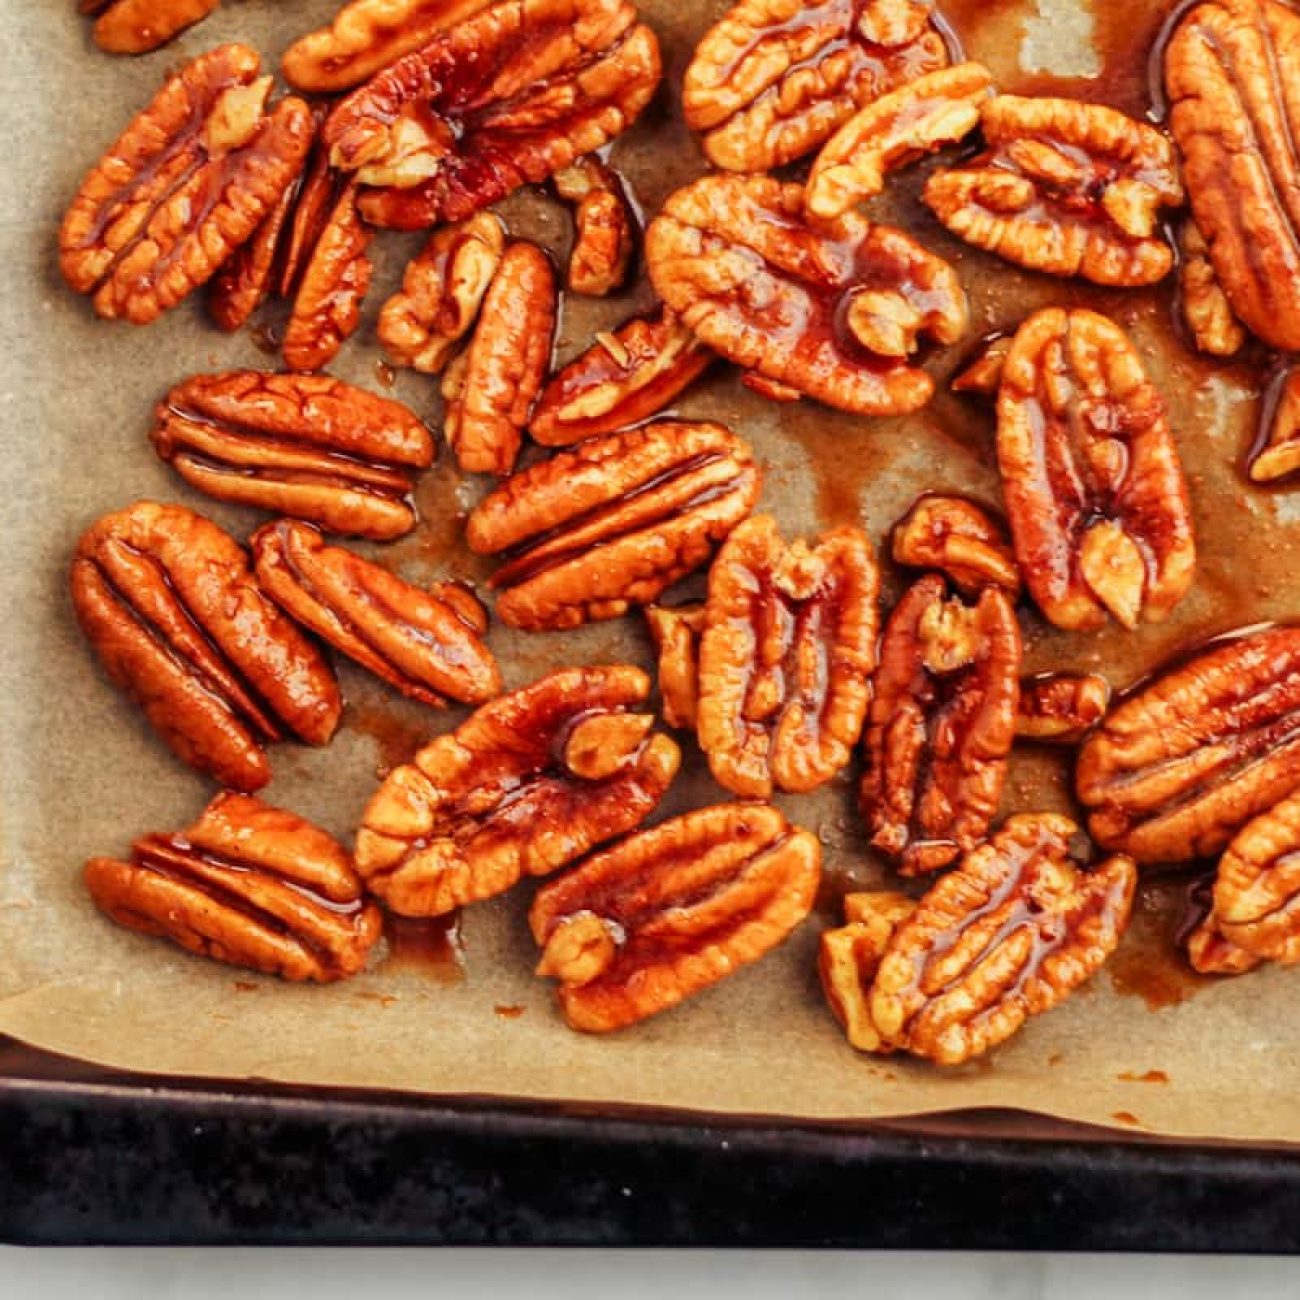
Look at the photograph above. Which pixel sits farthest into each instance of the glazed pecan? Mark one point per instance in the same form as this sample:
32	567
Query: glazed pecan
1176	768
247	884
941	724
169	604
303	445
187	182
489	390
1215	330
831	308
1090	473
528	784
626	377
983	374
613	522
1061	708
442	290
1277	451
786	656
137	26
774	78
1211	952
676	632
661	915
507	97
1066	188
427	644
960	539
604	226
918	118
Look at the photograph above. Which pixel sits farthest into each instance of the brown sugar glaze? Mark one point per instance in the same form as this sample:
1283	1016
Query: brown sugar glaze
428	945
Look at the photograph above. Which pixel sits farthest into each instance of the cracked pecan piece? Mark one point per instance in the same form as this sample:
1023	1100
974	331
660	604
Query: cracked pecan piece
138	26
1093	486
641	926
1256	905
528	784
489	389
676	632
1210	952
507	97
171	607
1061	708
604	226
960	539
1205	307
247	884
1276	452
983	374
303	445
612	523
1066	188
786	657
187	182
834	309
774	78
428	644
941	724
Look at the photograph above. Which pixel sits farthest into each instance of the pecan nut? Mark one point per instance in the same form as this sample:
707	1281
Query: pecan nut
786	657
1205	307
1211	952
186	183
1094	489
983	373
1066	188
667	912
676	632
958	538
303	445
604	227
1061	708
941	724
1276	452
1257	886
171	607
529	783
247	884
833	309
138	26
613	522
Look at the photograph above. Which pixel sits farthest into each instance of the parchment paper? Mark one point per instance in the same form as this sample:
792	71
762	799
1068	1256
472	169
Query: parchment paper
80	773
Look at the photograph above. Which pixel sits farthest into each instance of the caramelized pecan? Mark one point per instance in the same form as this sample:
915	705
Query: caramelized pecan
613	522
1061	708
960	539
665	913
1277	452
1211	952
137	26
1214	328
676	632
983	374
1257	887
528	784
603	226
169	604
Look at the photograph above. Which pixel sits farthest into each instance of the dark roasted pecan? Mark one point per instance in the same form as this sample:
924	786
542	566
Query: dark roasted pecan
983	374
1061	708
137	26
613	522
170	605
1277	452
786	656
665	913
1093	486
604	226
1215	330
528	784
676	633
247	884
941	724
960	539
187	182
831	308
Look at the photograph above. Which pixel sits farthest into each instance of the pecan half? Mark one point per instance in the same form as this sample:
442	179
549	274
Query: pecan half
665	913
247	884
1066	188
1061	708
831	308
983	374
169	604
489	390
941	724
786	656
613	522
676	632
507	97
138	26
1214	328
1277	452
774	78
1093	486
186	183
960	539
528	784
303	445
604	226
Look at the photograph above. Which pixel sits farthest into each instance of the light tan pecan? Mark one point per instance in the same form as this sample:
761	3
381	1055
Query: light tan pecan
960	539
604	226
941	724
667	912
138	26
1276	452
1061	708
170	605
528	784
834	309
1093	486
185	184
611	523
676	632
1064	187
247	884
983	373
1214	328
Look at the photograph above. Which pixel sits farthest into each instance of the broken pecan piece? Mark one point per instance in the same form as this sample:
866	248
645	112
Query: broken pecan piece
1094	490
667	912
138	26
613	522
1276	452
1061	708
172	609
786	656
303	445
676	632
1214	328
247	884
528	784
983	373
1257	887
1065	187
1210	952
603	223
960	539
834	309
941	724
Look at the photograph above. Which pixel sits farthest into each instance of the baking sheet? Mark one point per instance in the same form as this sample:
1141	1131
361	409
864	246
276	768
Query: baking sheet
1145	1046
